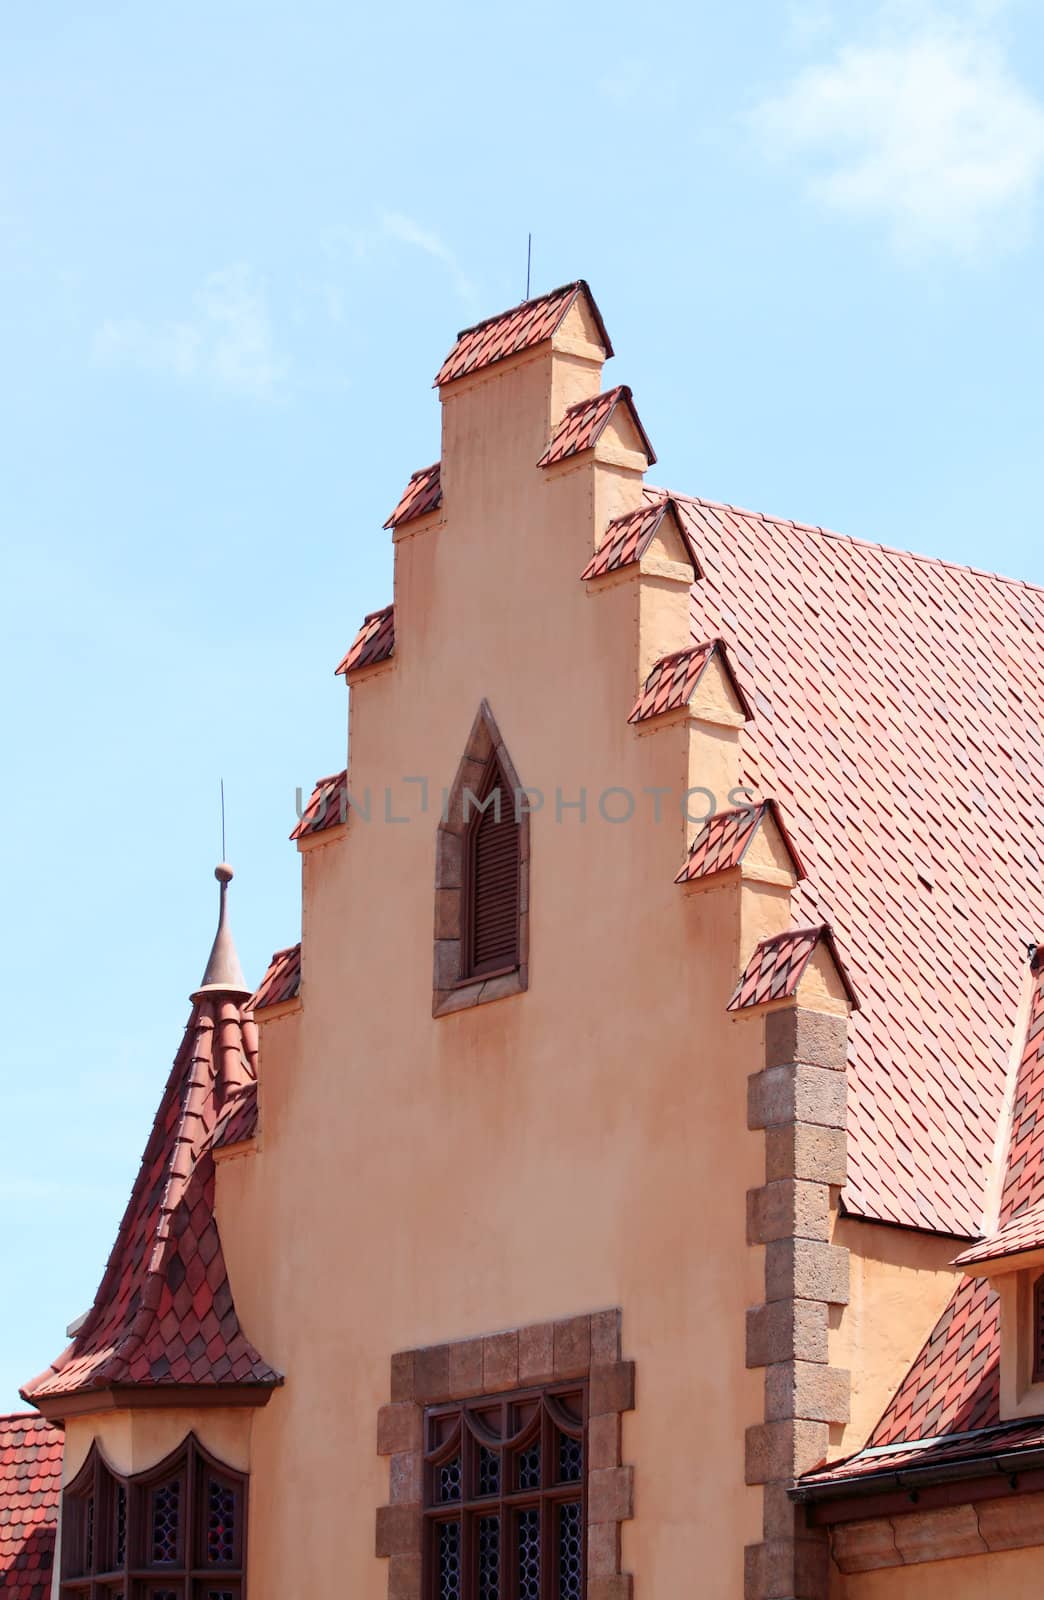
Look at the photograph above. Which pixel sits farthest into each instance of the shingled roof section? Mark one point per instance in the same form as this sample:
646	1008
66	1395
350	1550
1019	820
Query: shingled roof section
282	981
673	680
238	1121
777	965
724	839
30	1485
628	537
854	656
422	494
164	1314
327	807
374	642
522	328
584	423
953	1386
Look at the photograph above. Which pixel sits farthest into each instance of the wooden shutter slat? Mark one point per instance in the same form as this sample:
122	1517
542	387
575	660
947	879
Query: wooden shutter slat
492	903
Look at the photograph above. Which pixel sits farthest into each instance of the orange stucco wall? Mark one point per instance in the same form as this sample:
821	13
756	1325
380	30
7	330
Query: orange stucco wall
1006	1575
899	1283
579	1146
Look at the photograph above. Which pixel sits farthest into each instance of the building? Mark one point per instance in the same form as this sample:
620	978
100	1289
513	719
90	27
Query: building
632	1181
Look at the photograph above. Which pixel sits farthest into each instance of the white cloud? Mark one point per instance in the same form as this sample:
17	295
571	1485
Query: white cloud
226	342
396	226
923	128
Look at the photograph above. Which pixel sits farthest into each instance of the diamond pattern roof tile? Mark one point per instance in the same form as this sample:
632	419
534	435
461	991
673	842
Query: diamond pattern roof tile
374	642
30	1485
422	494
584	423
674	679
168	1240
898	721
327	807
777	965
724	839
281	982
522	328
628	537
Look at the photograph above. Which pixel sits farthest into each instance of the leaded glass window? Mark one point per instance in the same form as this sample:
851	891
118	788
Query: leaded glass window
504	1497
157	1536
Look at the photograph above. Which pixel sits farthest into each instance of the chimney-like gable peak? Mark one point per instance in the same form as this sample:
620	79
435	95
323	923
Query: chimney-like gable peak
568	313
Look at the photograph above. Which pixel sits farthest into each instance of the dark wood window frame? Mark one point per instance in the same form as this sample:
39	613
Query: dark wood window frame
489	1463
459	979
1037	1301
108	1524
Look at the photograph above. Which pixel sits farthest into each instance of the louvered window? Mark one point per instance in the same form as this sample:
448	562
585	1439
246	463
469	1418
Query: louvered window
491	886
1038	1330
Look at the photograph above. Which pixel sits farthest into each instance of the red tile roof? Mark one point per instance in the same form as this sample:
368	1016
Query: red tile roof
164	1313
1024	1232
374	642
898	704
1006	1439
584	423
674	679
281	982
775	969
628	538
327	808
954	1383
723	841
30	1485
238	1120
1024	1169
521	328
422	494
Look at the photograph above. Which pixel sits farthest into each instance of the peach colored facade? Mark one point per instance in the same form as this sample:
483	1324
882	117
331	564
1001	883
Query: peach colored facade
585	1144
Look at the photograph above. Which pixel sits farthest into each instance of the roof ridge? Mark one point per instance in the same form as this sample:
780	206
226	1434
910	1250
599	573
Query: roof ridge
535	300
847	538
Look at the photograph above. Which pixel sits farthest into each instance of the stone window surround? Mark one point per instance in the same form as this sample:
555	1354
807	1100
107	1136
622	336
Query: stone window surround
585	1348
449	993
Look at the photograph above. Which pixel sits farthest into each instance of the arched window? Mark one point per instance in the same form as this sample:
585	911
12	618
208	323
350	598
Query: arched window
492	860
482	877
176	1532
504	1497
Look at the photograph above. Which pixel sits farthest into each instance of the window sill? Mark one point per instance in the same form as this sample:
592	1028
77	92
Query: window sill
467	992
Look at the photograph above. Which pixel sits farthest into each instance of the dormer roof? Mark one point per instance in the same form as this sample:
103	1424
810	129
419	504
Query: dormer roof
522	328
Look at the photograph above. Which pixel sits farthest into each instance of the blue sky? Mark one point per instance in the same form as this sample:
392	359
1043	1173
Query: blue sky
235	243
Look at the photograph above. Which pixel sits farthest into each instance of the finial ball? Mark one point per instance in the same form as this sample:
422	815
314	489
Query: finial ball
223	872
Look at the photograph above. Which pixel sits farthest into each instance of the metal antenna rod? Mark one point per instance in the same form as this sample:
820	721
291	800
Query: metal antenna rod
222	819
529	262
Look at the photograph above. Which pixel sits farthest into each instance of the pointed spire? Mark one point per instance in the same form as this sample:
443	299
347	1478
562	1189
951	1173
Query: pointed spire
224	975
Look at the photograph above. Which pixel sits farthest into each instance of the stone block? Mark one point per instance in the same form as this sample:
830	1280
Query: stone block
603	1441
806	1269
797	1094
787	1208
536	1353
398	1531
398	1428
785	1330
814	1037
1013	1522
865	1546
605	1338
611	1388
404	1578
603	1549
610	1494
938	1535
803	1150
500	1361
784	1450
572	1347
808	1390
